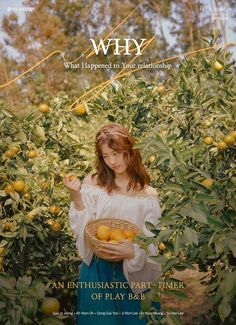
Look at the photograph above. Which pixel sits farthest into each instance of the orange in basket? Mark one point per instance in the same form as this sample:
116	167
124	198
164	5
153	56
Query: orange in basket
109	230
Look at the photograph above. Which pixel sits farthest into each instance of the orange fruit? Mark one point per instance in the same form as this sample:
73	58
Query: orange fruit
54	209
43	108
15	149
56	226
8	189
30	215
208	123
80	109
8	225
27	196
50	305
50	222
9	153
26	189
32	153
152	158
229	139
161	89
218	66
207	182
233	134
162	247
114	232
128	233
72	177
221	145
208	140
19	185
118	236
103	232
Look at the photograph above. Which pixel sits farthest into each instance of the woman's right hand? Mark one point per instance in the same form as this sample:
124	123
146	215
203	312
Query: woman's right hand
72	184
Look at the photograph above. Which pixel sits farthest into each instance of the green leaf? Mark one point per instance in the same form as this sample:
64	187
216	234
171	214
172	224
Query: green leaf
190	235
228	284
51	321
174	187
170	263
215	222
219	245
57	259
204	197
164	234
159	259
15	315
197	212
23	283
21	136
29	307
39	131
177	245
40	236
8	202
181	179
224	309
177	293
23	233
38	254
7	282
151	227
188	265
37	289
2	305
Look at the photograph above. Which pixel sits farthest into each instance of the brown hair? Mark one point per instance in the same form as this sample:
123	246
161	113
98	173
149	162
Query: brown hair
117	137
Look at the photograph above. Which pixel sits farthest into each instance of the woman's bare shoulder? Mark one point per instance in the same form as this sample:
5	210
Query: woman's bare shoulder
89	180
151	191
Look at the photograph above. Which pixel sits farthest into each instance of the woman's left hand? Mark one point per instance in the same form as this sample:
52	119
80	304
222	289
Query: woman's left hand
120	251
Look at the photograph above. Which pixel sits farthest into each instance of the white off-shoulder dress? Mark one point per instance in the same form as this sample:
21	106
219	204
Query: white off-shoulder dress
136	209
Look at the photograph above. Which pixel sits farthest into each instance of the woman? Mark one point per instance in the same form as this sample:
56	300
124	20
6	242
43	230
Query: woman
118	189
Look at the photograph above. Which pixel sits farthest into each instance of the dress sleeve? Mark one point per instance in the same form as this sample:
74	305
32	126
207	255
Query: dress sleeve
79	219
142	268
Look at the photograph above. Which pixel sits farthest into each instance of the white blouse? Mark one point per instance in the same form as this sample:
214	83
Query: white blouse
99	204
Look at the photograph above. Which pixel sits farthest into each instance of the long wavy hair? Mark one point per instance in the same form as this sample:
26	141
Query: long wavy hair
117	137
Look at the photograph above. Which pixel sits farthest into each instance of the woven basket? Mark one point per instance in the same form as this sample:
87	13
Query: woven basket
91	228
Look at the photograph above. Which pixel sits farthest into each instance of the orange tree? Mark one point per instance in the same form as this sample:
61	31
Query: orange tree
37	248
